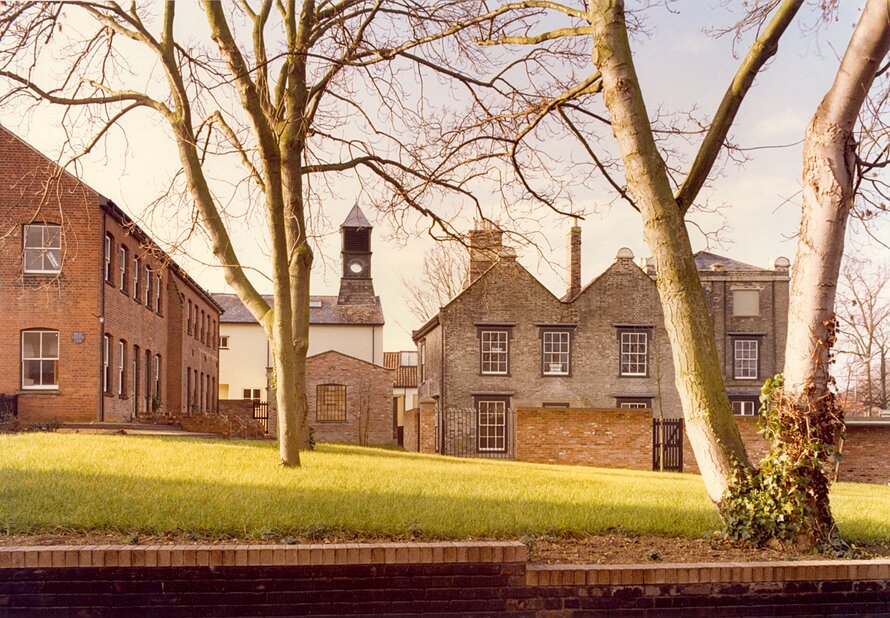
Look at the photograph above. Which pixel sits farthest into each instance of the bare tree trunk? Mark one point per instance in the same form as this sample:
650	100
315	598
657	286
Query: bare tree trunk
808	407
712	432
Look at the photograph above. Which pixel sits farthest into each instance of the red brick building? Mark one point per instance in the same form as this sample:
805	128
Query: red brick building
96	322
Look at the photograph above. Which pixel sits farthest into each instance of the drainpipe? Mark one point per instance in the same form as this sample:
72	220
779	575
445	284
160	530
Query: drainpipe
100	405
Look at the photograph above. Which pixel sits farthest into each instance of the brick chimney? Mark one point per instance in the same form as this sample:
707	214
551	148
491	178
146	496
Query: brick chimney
485	246
574	266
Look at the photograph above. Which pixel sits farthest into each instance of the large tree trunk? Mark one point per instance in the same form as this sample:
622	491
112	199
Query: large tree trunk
713	434
807	407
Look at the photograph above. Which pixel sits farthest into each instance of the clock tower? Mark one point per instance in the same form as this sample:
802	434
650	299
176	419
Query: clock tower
356	285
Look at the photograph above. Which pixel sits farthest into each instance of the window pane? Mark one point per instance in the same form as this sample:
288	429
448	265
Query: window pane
31	345
52	259
52	236
31	373
34	236
48	373
50	344
33	259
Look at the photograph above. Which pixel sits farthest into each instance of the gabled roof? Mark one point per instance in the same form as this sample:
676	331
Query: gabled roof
115	211
356	218
347	357
391	360
322	310
406	377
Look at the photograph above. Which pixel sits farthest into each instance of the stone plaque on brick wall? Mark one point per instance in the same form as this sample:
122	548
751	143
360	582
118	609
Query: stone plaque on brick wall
77	337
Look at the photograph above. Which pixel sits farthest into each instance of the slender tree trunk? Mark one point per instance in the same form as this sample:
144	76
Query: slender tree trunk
712	431
809	411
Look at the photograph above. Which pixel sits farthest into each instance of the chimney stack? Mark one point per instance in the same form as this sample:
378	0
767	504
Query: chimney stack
574	265
485	246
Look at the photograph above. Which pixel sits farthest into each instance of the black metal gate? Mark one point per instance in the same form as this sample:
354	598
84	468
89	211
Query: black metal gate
667	438
9	407
459	434
261	413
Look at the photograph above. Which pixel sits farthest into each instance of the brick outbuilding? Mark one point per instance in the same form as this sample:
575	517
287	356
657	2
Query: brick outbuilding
350	400
97	323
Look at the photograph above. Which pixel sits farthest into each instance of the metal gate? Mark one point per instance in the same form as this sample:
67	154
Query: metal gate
463	434
261	413
667	438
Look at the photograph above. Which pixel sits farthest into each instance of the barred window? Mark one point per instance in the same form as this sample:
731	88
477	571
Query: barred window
745	359
43	248
634	352
556	353
495	352
330	402
492	424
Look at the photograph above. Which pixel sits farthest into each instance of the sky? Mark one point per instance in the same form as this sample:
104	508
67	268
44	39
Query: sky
680	68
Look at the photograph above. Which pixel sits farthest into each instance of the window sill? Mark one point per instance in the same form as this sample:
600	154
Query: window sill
122	397
109	395
38	391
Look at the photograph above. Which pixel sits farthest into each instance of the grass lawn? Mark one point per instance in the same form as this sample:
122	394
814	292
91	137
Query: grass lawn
56	483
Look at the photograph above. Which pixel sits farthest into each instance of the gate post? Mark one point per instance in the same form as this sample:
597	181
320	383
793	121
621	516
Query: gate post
426	425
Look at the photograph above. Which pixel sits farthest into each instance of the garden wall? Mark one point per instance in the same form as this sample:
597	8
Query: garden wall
622	438
491	579
607	438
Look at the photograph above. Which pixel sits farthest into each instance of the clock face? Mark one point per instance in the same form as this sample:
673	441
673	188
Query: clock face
356	267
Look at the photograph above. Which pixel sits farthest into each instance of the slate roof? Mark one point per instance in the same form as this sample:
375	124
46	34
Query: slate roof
356	218
704	260
234	311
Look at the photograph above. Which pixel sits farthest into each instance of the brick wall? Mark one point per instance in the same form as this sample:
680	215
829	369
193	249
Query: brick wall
486	579
607	438
236	407
368	398
866	454
80	306
411	443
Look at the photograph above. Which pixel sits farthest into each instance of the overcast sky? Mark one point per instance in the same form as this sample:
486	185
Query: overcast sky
680	67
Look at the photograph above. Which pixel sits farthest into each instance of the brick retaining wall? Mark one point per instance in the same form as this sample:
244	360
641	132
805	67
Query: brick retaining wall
445	578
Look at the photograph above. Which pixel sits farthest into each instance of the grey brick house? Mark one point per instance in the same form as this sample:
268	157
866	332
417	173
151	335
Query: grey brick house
506	341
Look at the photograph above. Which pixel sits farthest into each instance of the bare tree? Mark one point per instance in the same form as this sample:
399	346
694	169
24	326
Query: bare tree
649	187
297	95
444	275
864	334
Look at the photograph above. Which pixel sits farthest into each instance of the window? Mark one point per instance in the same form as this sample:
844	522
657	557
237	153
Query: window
124	259
188	389
745	359
745	303
252	393
555	404
330	402
492	424
40	359
634	352
495	352
201	329
121	363
43	248
109	243
148	381
137	266
188	317
633	403
147	286
106	364
744	407
408	359
158	377
158	294
223	342
556	347
422	361
135	380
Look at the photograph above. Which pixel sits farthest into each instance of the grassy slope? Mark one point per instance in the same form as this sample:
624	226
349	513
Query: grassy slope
76	482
